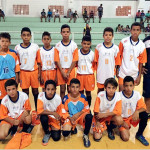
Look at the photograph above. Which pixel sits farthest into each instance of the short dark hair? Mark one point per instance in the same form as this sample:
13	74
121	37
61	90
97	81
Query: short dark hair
25	29
75	81
128	79
65	26
135	24
50	82
108	29
86	38
46	34
5	35
111	81
11	82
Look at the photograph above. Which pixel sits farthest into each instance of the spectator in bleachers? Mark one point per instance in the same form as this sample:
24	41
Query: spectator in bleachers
87	30
118	28
147	17
138	15
49	15
2	15
91	16
70	13
121	28
85	15
142	15
100	12
43	15
57	15
74	16
147	29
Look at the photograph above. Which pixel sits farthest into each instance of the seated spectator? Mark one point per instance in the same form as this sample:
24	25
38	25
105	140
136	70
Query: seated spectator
74	16
70	13
138	15
87	30
85	16
57	15
43	15
2	15
142	15
49	15
127	29
91	15
121	29
118	28
147	29
147	16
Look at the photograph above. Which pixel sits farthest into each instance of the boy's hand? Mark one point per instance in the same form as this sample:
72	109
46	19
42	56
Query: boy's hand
75	117
41	80
15	122
137	81
100	115
72	120
144	70
135	116
68	73
56	116
117	72
39	77
64	75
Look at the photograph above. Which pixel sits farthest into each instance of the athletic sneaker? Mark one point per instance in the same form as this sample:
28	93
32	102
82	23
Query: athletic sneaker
30	128
86	141
142	139
111	134
46	139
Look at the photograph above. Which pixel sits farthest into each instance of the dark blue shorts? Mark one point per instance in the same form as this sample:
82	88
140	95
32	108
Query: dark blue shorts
146	85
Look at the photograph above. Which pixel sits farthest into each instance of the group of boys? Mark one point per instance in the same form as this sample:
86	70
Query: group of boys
52	66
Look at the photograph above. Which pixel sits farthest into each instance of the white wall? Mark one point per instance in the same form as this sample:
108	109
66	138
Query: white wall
147	6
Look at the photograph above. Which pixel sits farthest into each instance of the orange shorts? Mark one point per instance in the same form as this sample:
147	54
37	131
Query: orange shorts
48	75
2	88
29	78
100	86
53	122
130	122
60	78
87	82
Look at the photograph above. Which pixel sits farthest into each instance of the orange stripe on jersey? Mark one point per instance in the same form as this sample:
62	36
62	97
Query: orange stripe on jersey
75	55
27	105
56	55
117	59
39	57
40	107
3	112
140	104
96	56
121	50
97	104
118	108
143	57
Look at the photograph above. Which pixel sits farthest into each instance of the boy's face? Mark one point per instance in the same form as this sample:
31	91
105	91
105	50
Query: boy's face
50	90
108	37
4	43
135	31
110	89
86	45
12	91
26	37
46	40
128	87
74	89
65	33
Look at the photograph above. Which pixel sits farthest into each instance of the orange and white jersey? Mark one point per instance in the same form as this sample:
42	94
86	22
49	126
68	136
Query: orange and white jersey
131	104
27	56
66	54
46	58
54	104
106	58
14	109
131	55
103	105
85	62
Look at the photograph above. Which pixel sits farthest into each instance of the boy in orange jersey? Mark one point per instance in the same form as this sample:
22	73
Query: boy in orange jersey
27	53
78	112
107	58
85	70
133	111
9	64
50	109
66	56
45	57
15	110
107	110
133	55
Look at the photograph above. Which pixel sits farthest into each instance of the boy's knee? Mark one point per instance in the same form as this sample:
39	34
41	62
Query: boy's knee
124	138
3	136
118	120
56	135
28	119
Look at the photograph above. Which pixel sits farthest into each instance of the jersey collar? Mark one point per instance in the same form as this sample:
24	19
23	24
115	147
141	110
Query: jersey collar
49	98
108	47
136	42
64	44
25	47
16	100
126	96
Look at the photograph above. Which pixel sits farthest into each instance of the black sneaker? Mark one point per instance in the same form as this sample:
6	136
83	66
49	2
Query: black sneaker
142	139
111	134
86	141
46	139
75	131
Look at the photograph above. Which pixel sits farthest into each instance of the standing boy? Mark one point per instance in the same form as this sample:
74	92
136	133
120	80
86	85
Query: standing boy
27	53
66	56
107	58
133	55
85	70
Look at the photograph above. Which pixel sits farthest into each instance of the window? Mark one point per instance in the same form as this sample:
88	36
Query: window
21	9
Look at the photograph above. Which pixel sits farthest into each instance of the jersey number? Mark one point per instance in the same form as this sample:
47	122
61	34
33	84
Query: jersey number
129	112
84	68
25	60
66	58
106	61
48	62
6	70
131	57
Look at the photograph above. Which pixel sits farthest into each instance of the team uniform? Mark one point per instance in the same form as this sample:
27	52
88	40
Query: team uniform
106	58
129	106
9	65
74	106
66	54
14	110
54	105
85	70
28	65
103	105
146	77
46	59
132	53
